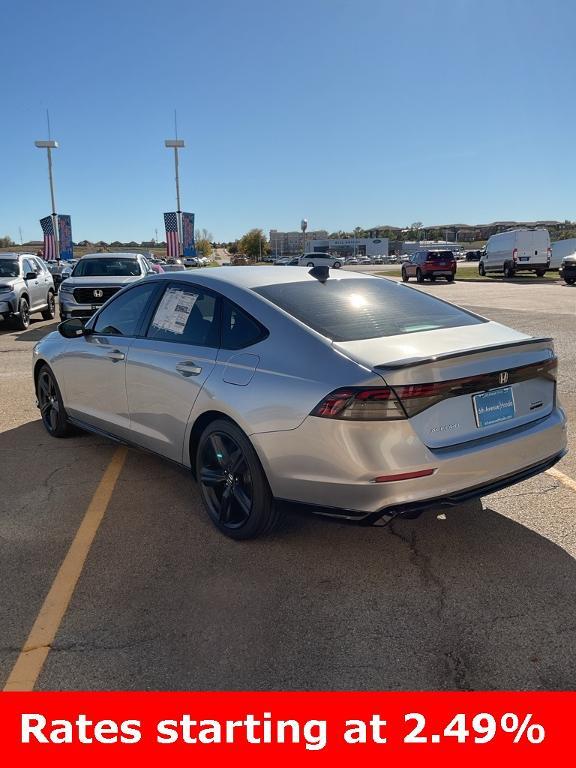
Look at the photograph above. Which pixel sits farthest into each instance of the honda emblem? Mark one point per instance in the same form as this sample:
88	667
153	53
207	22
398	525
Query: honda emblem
503	377
98	295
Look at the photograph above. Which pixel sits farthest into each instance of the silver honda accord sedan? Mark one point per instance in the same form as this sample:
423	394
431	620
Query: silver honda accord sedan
348	395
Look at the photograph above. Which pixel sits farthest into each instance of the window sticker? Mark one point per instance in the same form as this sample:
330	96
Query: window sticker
174	310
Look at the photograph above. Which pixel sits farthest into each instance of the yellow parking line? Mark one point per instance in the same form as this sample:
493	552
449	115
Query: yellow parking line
33	655
562	478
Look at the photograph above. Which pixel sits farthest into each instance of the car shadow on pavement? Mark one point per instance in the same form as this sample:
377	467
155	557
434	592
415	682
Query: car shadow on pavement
36	331
473	601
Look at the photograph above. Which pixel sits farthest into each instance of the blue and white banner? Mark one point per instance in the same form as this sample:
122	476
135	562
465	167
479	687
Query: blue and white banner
65	238
188	246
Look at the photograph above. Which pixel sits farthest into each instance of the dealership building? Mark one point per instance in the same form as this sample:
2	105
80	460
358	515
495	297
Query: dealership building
352	246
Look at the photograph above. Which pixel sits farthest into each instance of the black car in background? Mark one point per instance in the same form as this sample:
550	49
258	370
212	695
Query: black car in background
567	270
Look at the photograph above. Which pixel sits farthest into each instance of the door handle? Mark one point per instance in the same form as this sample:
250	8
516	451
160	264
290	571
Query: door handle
115	355
188	368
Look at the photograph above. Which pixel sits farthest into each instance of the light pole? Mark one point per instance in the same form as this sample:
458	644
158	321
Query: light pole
303	227
177	144
49	146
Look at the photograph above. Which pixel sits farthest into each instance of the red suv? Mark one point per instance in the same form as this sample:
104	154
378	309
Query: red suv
430	264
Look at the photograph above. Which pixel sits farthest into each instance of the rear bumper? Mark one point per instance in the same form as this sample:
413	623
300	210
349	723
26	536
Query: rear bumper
332	464
415	508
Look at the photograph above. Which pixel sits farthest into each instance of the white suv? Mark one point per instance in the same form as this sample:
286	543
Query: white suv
319	259
26	287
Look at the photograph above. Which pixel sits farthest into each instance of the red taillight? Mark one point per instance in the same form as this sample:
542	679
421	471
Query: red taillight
369	404
515	254
407	400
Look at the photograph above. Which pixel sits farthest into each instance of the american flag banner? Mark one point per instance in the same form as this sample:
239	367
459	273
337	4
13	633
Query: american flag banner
49	241
172	239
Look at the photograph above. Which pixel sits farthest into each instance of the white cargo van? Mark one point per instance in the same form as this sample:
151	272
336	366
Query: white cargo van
560	250
517	250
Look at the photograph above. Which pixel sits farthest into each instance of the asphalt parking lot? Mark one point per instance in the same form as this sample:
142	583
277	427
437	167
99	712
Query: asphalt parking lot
481	597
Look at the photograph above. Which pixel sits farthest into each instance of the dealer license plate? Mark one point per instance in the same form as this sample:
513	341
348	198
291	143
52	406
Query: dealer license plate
494	406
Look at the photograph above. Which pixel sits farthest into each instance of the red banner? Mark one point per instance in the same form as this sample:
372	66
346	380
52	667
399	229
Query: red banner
448	729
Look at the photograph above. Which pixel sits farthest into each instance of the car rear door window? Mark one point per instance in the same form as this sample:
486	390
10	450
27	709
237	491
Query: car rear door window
239	330
186	315
123	315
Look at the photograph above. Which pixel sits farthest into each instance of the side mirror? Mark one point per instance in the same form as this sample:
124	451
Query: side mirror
30	276
73	328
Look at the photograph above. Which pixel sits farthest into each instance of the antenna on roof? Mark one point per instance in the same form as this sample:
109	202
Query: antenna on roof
321	273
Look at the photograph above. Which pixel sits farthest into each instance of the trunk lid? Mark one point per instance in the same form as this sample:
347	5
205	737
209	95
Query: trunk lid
488	379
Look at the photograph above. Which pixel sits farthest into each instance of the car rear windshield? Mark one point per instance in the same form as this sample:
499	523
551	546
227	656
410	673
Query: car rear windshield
349	310
107	268
439	256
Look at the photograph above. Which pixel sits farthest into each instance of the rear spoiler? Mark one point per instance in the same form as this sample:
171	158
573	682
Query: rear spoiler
397	365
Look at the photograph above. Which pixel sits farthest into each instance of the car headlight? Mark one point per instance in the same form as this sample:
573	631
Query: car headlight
66	288
6	289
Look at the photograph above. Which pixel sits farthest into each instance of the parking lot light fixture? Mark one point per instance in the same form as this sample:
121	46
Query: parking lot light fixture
49	145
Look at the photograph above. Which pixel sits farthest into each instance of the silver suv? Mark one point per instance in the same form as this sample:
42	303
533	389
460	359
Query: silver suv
95	278
26	287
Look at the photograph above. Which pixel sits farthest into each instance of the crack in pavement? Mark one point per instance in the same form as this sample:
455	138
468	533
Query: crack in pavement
452	658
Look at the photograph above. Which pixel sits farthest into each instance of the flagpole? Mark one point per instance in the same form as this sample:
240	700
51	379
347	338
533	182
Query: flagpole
178	210
54	214
49	146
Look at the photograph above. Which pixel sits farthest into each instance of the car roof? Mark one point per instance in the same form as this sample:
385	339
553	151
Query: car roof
13	255
108	255
256	277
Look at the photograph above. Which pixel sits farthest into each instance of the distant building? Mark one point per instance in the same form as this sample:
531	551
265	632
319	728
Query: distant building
408	247
350	246
291	243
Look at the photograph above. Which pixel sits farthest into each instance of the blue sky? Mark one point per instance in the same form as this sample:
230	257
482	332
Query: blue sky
349	112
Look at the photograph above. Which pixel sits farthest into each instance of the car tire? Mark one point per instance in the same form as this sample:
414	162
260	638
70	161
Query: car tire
432	278
50	313
570	280
337	265
404	276
450	279
540	272
419	276
22	321
233	485
50	403
508	271
310	264
481	270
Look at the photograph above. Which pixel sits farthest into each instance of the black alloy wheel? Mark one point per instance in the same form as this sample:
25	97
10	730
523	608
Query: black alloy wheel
50	312
233	485
50	404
